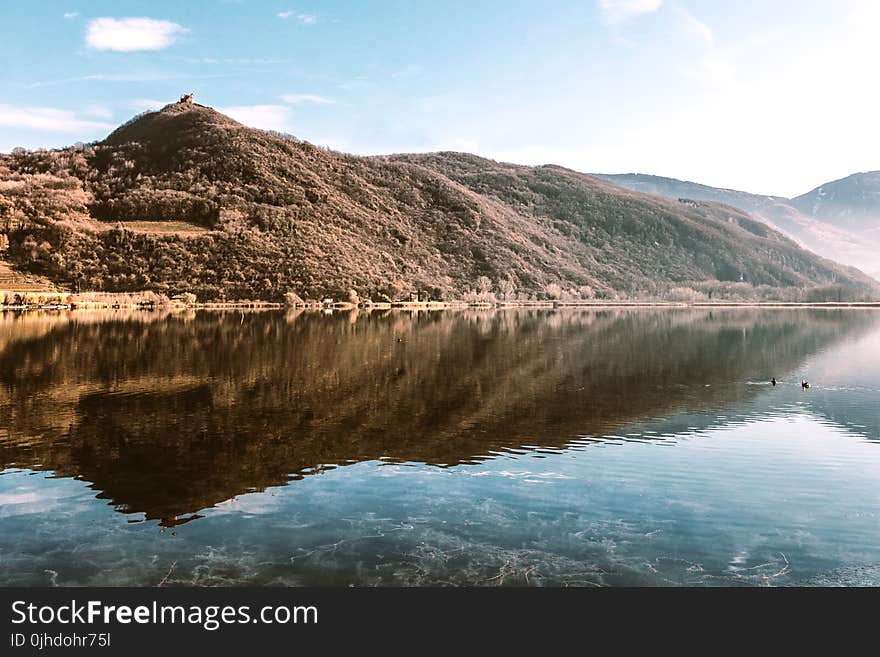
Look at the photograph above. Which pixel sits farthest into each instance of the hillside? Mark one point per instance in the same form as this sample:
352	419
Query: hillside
612	221
186	199
831	227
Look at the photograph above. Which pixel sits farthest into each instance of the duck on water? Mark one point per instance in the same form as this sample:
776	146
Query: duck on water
804	383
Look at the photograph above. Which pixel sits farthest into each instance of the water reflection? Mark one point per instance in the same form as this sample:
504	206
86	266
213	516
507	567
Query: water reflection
166	415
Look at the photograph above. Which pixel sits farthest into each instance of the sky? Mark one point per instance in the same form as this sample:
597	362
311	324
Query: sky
772	96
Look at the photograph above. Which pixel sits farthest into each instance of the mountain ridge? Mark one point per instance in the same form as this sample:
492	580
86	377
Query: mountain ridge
845	242
187	199
851	202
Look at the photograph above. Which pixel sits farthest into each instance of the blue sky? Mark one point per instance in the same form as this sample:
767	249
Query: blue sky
773	97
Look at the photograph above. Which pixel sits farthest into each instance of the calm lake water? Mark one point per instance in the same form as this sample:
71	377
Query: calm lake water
542	448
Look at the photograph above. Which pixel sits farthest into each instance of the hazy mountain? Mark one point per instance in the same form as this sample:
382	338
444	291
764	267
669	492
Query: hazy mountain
840	220
186	199
852	203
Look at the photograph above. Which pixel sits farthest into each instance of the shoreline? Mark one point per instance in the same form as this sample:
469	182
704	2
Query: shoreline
440	305
22	299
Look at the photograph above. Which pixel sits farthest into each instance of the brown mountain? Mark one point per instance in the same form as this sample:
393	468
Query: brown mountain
186	199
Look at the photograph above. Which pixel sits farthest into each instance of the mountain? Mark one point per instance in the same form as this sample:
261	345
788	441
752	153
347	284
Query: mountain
187	199
839	221
852	203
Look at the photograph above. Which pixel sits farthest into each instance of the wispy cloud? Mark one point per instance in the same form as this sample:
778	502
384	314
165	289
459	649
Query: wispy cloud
195	60
267	117
693	27
258	61
48	119
296	99
102	77
619	11
71	14
305	19
708	64
131	34
243	61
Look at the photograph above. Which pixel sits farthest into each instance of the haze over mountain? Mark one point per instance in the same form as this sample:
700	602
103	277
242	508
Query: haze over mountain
839	220
852	203
187	199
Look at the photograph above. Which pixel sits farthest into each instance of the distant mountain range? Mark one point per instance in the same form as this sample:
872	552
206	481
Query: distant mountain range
851	203
187	199
839	220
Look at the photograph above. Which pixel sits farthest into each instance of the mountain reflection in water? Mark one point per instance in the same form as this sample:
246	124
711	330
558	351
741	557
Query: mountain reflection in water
176	417
167	415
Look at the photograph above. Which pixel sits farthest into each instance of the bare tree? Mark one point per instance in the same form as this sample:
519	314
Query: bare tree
507	288
554	290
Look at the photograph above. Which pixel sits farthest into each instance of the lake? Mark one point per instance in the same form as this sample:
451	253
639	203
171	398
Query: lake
635	447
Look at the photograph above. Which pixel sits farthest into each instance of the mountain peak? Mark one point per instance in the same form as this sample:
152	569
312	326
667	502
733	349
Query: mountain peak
852	203
180	116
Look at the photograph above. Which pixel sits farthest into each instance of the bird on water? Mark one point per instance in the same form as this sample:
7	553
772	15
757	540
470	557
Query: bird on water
805	384
774	381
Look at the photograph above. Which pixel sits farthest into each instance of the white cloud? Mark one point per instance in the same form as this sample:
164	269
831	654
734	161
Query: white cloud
620	11
48	119
305	19
266	117
71	14
773	110
130	34
295	99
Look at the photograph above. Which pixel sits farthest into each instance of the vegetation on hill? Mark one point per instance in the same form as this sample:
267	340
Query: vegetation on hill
254	214
651	241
